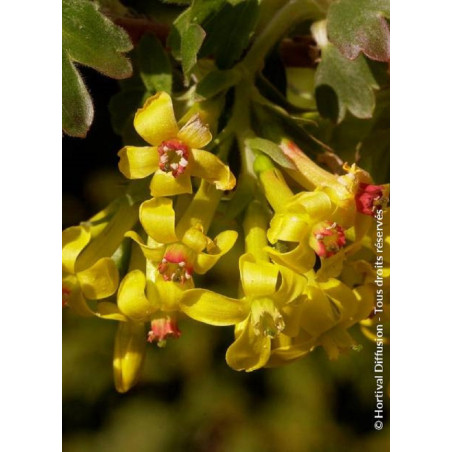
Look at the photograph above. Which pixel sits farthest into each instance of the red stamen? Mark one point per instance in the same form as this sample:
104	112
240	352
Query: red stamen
369	197
176	265
162	328
174	156
329	238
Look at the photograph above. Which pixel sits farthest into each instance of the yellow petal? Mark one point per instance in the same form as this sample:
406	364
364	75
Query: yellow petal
335	341
165	184
365	296
153	254
155	122
194	133
129	354
158	219
138	162
249	351
301	259
317	312
195	239
291	288
316	204
170	293
76	300
212	308
332	266
132	300
343	297
109	311
221	245
291	314
289	227
285	353
75	239
100	280
258	278
209	167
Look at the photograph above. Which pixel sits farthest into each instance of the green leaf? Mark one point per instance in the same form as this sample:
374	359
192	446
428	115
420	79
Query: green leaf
196	14
356	26
272	150
229	31
78	108
192	39
343	84
154	64
215	82
227	26
89	38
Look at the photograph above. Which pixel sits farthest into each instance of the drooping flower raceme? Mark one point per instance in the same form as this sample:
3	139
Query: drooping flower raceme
174	155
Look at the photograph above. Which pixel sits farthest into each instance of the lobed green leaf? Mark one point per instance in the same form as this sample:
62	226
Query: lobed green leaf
356	26
89	38
343	84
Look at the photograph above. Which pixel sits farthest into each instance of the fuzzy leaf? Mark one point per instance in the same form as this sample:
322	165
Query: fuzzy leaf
343	84
90	39
78	110
356	26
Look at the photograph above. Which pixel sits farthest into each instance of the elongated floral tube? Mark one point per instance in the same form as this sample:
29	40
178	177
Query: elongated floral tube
106	243
201	209
255	226
276	190
308	173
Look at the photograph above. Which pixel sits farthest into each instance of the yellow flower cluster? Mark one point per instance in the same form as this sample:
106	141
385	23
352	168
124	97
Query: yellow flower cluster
305	272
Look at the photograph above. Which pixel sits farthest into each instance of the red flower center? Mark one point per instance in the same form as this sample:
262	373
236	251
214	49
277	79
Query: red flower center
329	238
173	157
176	264
369	197
162	328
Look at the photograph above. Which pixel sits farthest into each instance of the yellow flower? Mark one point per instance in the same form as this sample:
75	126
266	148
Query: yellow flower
178	252
270	294
89	272
98	281
174	155
328	310
306	227
139	301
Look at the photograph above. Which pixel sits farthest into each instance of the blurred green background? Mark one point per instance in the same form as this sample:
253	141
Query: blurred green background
188	398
